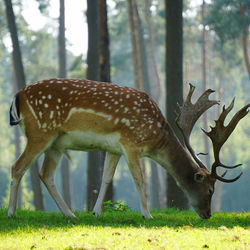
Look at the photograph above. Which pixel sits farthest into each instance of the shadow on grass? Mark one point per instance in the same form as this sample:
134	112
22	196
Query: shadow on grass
162	218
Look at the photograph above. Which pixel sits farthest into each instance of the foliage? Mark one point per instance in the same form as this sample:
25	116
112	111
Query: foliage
170	229
117	206
227	19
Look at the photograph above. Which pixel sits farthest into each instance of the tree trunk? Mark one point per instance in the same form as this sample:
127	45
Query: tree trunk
94	158
139	55
20	81
104	64
18	64
139	50
66	183
245	41
218	185
65	165
155	92
37	187
174	75
204	80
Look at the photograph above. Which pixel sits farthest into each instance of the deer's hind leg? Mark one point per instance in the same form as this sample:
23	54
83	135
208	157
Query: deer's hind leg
47	173
33	149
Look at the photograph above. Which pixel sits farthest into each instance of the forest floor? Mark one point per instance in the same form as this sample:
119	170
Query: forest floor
169	229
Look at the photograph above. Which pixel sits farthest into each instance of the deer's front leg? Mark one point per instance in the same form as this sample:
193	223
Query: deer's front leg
136	170
108	173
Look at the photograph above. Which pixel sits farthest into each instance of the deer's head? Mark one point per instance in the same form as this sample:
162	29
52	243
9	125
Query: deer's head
201	188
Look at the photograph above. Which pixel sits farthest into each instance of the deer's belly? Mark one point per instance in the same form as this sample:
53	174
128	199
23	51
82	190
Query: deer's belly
89	141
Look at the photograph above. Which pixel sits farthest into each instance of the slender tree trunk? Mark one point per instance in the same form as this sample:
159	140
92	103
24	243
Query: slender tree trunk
20	81
174	75
65	165
139	55
155	86
245	41
66	183
37	188
94	158
18	64
218	188
204	79
155	92
104	62
139	50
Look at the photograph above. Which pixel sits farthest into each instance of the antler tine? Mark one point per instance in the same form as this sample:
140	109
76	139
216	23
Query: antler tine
219	135
190	113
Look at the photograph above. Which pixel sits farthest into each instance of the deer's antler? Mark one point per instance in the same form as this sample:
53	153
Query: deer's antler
190	113
219	135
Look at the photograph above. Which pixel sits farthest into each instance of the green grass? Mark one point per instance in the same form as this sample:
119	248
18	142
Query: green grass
170	229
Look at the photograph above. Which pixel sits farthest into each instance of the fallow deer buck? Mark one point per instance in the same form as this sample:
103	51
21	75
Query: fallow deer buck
61	114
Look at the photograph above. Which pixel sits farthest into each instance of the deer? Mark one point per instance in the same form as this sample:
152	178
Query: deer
57	115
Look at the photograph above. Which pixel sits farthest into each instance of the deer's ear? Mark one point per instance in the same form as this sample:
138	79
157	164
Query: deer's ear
199	177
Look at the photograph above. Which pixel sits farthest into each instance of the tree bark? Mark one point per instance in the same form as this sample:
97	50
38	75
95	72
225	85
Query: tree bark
139	55
94	158
139	50
204	79
174	76
20	81
37	187
17	56
104	64
155	92
65	165
245	41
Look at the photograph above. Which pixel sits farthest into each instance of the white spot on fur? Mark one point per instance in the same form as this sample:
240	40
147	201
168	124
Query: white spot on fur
126	110
79	110
51	114
125	121
116	121
46	105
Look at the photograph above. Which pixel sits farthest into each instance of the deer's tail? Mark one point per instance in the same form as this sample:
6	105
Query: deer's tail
15	111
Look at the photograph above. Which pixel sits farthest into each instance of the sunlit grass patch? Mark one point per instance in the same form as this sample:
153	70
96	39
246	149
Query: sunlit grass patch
170	229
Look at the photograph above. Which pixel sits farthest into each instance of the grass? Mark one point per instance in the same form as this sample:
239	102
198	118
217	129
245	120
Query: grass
170	229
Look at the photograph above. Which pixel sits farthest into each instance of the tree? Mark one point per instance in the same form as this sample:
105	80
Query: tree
65	173
231	20
174	85
205	76
104	64
94	158
20	80
155	92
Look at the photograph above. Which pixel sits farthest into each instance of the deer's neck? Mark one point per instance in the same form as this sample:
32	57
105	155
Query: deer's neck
171	155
